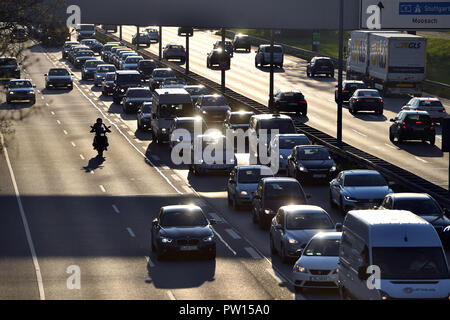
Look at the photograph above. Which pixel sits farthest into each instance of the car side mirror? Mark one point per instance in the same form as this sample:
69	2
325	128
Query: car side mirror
338	227
392	120
362	273
155	223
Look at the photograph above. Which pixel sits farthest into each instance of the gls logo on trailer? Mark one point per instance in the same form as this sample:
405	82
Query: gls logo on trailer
409	45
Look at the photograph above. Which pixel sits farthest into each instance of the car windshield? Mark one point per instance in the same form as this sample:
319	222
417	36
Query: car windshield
106	69
183	218
163	74
421	207
252	176
214	101
292	96
368	94
190	125
364	180
85	54
129	78
411	263
132	60
291	142
146	108
322	248
175	110
430	103
240	118
139	93
308	220
196	91
8	62
283	125
354	86
87	27
93	64
20	84
284	191
58	72
214	114
306	153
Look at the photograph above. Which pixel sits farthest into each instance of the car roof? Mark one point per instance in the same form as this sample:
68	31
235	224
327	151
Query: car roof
268	45
14	80
322	58
159	69
410	195
354	81
194	86
175	208
267	116
188	119
254	166
328	235
302	208
290	135
425	98
127	72
106	65
309	146
136	56
408	112
139	88
241	112
360	171
384	216
279	179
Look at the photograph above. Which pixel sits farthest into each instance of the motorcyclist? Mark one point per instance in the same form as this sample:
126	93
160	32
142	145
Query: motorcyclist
100	129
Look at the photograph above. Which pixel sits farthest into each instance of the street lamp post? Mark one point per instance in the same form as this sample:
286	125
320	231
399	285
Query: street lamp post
340	67
271	71
222	69
160	42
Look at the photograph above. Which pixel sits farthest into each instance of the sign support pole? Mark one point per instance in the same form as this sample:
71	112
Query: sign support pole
340	67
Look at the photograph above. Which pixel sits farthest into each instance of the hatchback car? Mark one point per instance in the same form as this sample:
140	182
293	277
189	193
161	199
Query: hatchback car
241	41
131	62
20	90
58	78
141	38
412	125
320	65
293	226
273	193
182	229
311	163
174	51
423	205
134	98
89	69
281	147
366	99
290	101
144	116
101	71
195	91
348	88
358	189
228	46
218	57
243	182
433	106
262	56
317	266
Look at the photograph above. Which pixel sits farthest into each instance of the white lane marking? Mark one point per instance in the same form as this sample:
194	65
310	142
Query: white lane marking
25	223
171	296
42	97
58	122
116	210
126	138
131	232
252	253
420	159
215	216
81	156
175	177
155	157
187	189
392	147
233	234
65	132
123	126
47	105
92	171
102	188
52	113
224	242
438	137
149	262
73	144
357	132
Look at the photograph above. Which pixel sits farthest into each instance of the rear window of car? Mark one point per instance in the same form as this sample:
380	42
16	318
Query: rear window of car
430	103
275	49
146	63
418	118
368	94
324	62
291	96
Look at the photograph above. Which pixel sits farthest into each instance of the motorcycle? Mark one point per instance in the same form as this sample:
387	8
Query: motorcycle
100	142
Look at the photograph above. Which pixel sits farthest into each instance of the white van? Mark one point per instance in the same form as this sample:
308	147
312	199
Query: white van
167	105
406	249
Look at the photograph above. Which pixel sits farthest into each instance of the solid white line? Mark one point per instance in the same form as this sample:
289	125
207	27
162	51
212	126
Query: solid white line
175	177
420	159
252	252
392	147
131	233
102	188
224	242
361	134
215	216
58	122
52	113
187	189
73	144
130	133
438	137
115	208
81	156
149	262
171	296
25	223
65	132
233	234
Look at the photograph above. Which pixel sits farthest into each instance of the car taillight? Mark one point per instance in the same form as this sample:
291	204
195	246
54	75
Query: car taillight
357	100
381	100
418	109
302	101
418	122
443	110
345	91
282	101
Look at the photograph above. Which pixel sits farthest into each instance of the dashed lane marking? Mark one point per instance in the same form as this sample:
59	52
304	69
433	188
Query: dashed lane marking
252	253
131	232
233	234
116	210
102	188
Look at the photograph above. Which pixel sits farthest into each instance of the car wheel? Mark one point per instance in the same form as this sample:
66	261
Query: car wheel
283	256
272	246
235	204
391	136
211	256
159	255
432	140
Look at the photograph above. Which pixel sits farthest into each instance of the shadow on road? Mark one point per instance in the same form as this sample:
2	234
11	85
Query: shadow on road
93	164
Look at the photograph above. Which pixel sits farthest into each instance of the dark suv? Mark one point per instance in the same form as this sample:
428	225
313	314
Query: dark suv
124	80
289	101
241	41
412	125
228	46
146	67
9	68
320	65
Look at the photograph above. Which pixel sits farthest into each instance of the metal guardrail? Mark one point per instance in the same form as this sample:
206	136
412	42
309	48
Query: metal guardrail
401	176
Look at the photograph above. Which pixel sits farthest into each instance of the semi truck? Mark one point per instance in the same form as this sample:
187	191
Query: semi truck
390	61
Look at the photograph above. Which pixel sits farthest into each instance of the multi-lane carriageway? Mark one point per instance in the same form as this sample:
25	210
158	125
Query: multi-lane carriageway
61	207
365	131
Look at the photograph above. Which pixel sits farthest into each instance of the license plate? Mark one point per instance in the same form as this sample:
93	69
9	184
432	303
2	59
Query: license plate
318	278
188	248
319	175
292	104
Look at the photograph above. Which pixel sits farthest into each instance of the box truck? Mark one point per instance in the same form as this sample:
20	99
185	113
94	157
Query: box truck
390	61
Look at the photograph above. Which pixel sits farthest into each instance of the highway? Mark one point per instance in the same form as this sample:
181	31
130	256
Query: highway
365	131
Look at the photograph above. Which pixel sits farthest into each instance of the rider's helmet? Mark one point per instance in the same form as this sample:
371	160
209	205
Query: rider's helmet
99	120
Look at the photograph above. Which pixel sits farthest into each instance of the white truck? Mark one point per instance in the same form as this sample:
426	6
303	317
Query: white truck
390	61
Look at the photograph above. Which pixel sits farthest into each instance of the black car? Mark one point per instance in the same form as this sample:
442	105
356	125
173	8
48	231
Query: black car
134	98
9	68
423	205
73	50
124	80
146	67
412	125
174	51
58	78
320	65
273	193
348	88
108	83
237	120
93	44
310	162
106	50
290	101
228	46
366	99
20	90
241	41
195	91
67	46
159	75
218	57
144	116
182	229
81	57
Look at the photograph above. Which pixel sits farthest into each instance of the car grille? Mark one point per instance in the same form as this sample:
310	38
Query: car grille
187	242
319	272
319	284
318	170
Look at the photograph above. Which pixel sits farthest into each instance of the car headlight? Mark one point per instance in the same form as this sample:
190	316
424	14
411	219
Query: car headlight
208	239
166	240
384	295
302	168
243	193
281	157
336	271
163	130
269	211
292	241
122	90
350	198
333	168
78	60
11	92
446	229
31	91
299	268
